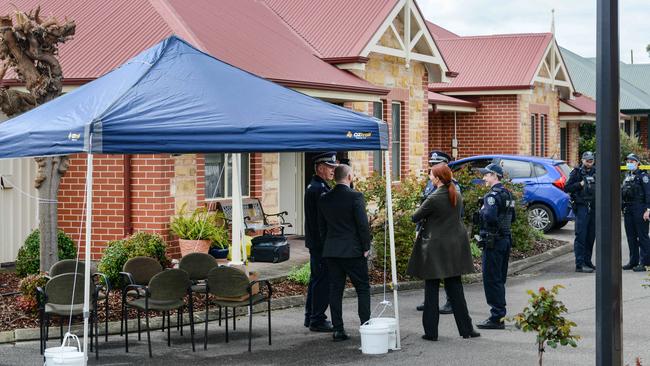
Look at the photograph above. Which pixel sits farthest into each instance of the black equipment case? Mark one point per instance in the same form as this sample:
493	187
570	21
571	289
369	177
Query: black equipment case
269	248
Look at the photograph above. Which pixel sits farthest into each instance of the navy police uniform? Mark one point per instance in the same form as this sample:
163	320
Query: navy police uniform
318	290
582	188
636	200
496	217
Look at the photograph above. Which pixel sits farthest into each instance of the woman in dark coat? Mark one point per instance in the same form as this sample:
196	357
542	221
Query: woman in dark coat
441	252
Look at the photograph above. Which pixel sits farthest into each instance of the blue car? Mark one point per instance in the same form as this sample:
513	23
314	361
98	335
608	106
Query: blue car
543	179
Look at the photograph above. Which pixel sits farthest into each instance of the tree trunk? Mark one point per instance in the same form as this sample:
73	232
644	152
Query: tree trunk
540	352
50	171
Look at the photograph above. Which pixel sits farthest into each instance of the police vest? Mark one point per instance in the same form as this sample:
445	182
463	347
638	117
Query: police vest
505	211
632	190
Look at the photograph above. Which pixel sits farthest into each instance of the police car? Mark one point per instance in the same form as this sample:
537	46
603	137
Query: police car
549	207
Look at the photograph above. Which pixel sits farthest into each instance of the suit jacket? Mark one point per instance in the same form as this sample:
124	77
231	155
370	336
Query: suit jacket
441	249
343	223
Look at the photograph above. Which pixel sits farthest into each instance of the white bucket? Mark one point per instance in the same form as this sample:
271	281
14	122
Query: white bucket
374	338
391	323
64	355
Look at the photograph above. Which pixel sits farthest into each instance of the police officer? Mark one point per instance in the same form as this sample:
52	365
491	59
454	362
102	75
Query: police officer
437	157
318	290
636	213
582	188
495	219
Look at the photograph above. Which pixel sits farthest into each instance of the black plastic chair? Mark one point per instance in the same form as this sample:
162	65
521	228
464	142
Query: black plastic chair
137	271
165	292
229	282
70	266
56	298
197	266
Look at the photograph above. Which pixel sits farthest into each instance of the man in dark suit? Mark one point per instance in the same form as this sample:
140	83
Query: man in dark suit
345	232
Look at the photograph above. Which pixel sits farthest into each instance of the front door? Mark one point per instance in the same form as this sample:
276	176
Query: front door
292	189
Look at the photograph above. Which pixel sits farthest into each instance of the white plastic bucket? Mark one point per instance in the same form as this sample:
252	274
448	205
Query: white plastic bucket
64	355
374	338
391	323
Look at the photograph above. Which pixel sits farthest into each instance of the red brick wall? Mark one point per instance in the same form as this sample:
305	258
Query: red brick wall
643	137
494	128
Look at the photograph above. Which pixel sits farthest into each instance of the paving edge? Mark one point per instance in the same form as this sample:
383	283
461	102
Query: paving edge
30	334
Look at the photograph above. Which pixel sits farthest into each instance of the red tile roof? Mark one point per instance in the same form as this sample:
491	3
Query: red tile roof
583	104
494	62
244	33
437	98
334	28
439	32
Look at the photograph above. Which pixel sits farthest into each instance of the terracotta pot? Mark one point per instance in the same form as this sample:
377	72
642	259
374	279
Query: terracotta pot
193	246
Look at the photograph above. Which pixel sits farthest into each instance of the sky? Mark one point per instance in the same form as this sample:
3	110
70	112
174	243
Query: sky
575	21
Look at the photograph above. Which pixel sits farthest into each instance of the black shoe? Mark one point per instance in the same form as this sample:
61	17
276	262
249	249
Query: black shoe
324	327
430	338
591	265
628	266
446	308
340	336
420	307
639	268
472	334
490	324
306	323
584	269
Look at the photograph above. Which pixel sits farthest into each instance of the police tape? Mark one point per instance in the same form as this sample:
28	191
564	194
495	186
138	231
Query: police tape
642	167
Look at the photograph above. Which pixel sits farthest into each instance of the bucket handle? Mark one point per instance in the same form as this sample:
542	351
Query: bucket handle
71	336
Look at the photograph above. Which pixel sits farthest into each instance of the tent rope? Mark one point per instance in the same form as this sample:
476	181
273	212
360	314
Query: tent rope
14	186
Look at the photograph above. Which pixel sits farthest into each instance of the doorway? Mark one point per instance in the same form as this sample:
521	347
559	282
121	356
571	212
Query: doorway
292	190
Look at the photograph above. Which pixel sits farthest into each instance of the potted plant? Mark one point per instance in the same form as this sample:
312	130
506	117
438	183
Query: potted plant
219	247
195	231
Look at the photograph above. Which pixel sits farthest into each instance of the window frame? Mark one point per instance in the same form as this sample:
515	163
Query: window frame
396	143
378	155
506	170
246	176
533	134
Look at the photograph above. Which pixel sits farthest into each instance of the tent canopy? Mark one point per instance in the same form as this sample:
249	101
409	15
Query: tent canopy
173	98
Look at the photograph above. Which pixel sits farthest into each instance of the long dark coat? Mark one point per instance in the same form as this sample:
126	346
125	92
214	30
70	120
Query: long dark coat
441	249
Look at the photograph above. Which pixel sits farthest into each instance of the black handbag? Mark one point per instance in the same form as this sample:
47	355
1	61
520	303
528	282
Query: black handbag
270	248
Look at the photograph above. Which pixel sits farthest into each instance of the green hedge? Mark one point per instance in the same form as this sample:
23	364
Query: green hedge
118	252
28	261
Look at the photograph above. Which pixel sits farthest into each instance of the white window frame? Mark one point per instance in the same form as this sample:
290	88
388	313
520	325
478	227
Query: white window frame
226	178
396	164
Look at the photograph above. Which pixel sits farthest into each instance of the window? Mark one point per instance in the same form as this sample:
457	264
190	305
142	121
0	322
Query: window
396	140
378	155
542	135
533	143
539	170
563	143
517	169
474	165
628	127
218	181
637	128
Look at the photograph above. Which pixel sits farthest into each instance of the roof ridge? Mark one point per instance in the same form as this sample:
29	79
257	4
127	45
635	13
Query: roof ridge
293	30
176	22
507	35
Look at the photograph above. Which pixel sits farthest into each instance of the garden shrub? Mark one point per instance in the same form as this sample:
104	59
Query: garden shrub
117	252
28	301
300	274
28	261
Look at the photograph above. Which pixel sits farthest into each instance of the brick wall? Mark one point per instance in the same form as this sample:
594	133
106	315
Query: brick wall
573	140
494	128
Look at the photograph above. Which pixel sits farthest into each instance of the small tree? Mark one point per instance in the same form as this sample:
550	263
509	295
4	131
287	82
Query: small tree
544	316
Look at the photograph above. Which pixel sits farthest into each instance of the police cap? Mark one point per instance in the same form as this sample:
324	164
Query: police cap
588	155
328	158
437	156
633	157
492	168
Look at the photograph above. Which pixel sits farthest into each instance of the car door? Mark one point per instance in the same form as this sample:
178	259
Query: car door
521	172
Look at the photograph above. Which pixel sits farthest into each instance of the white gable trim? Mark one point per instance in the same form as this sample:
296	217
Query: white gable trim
407	43
553	70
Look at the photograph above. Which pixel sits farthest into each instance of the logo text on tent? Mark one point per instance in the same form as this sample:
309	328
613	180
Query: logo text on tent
74	136
359	135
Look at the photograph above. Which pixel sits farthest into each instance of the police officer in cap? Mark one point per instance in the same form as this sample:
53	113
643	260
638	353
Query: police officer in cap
582	188
636	213
437	157
318	290
495	219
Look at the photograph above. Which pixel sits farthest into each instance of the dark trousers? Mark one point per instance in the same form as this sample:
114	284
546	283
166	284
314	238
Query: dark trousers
495	273
357	270
431	315
583	246
636	230
318	292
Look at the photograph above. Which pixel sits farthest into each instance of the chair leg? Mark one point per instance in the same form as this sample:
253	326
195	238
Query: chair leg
139	338
192	324
234	318
181	321
250	325
40	321
269	315
226	311
92	332
169	322
122	320
163	323
47	328
61	328
97	334
106	319
219	315
179	315
146	315
126	332
205	334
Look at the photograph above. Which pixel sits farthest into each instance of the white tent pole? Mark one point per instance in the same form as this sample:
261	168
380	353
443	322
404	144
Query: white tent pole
89	220
237	212
391	235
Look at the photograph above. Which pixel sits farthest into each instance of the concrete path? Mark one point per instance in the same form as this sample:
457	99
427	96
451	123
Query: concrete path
295	345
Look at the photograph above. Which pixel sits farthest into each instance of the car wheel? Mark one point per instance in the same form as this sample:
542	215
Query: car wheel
560	224
541	217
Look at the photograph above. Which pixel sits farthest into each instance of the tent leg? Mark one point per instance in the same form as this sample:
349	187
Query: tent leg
391	234
89	219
